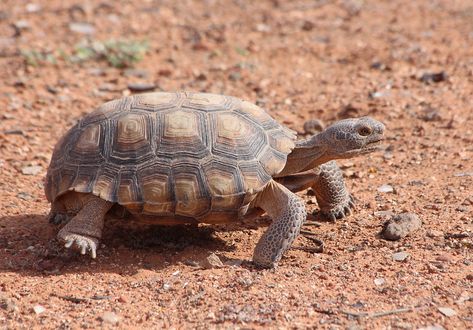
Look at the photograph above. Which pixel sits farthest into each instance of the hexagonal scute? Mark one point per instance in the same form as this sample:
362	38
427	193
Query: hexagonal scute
155	101
183	134
254	176
225	184
235	137
209	102
132	142
157	189
257	115
190	190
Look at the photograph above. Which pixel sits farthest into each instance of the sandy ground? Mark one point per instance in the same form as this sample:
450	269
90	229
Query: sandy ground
406	63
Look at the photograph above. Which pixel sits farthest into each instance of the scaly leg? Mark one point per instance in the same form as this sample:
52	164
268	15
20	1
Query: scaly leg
288	213
85	229
327	182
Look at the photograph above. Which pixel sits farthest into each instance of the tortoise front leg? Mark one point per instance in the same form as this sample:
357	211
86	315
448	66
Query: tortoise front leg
85	229
333	198
288	213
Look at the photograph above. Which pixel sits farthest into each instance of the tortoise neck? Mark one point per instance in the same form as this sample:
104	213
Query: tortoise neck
307	154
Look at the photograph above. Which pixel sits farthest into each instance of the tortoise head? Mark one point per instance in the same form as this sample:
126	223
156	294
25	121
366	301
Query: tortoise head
351	137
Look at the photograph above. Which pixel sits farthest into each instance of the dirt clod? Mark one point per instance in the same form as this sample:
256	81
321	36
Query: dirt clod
400	226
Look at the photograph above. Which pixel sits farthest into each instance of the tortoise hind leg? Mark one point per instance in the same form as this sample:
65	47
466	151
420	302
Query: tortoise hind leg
288	213
85	229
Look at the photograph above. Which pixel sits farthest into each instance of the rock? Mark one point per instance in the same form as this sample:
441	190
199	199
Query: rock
141	87
31	170
447	311
33	7
212	261
379	281
435	233
400	226
432	327
110	318
8	304
434	77
386	188
82	28
24	196
400	256
38	309
136	73
313	126
307	26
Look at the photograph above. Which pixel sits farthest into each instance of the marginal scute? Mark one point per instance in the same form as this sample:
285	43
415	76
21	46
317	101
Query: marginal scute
190	155
281	141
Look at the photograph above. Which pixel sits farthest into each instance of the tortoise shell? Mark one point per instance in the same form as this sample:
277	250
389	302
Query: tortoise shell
171	154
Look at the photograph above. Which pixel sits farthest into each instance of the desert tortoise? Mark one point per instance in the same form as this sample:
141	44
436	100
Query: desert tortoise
183	157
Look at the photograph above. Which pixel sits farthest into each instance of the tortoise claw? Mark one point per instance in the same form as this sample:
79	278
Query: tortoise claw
80	242
340	211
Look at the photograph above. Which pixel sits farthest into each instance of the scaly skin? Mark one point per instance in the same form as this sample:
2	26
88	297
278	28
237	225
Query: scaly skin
288	213
311	163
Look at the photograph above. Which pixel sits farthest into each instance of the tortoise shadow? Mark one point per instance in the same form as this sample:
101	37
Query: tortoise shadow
28	245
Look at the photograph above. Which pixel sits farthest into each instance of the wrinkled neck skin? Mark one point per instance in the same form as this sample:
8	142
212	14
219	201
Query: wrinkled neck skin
307	154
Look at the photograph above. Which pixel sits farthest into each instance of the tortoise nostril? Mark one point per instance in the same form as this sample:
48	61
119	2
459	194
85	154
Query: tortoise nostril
365	130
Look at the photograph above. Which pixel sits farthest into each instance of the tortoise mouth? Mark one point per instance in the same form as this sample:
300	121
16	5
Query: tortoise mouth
373	145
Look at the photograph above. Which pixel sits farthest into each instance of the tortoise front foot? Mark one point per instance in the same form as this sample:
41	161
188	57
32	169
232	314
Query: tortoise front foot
336	212
83	243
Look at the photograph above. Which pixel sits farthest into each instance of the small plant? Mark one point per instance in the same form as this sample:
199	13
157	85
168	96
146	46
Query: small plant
35	58
117	53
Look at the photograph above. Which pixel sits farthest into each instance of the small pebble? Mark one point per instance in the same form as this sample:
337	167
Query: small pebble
400	256
212	261
432	327
434	77
400	226
313	126
379	281
110	317
141	87
38	309
386	188
31	170
82	28
166	287
447	311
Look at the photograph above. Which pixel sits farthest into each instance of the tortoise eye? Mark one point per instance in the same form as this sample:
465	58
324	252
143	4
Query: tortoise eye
365	130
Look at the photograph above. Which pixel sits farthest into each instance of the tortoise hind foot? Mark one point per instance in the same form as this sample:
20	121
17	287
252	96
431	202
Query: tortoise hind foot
58	218
83	243
85	229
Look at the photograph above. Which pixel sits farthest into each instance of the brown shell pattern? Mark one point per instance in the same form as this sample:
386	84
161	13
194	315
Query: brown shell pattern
185	154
